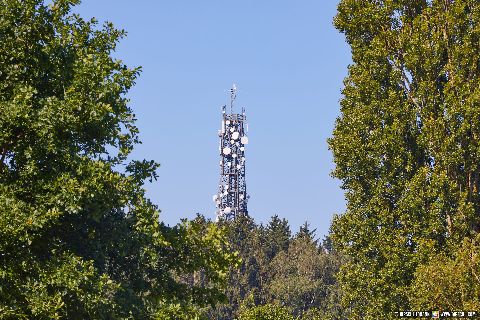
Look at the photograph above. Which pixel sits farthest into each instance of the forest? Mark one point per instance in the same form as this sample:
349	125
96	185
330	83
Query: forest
80	239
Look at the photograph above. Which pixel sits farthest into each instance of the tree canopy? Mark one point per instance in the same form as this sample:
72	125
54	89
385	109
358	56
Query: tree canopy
406	147
280	275
78	237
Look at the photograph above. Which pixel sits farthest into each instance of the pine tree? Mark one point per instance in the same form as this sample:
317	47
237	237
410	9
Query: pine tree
305	232
277	236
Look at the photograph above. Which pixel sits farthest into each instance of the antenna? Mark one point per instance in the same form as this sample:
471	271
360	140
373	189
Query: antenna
233	96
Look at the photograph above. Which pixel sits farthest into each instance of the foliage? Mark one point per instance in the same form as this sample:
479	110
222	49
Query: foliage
242	234
446	283
406	145
78	237
266	312
298	276
277	236
279	269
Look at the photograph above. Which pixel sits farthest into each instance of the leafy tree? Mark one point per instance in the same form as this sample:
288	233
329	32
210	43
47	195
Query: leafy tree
266	312
446	283
406	144
303	278
78	237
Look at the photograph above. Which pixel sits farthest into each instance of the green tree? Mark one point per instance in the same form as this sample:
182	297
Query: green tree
266	312
244	279
303	278
277	236
78	237
406	145
305	232
446	283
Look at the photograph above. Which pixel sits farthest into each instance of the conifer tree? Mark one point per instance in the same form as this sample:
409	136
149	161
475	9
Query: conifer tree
277	236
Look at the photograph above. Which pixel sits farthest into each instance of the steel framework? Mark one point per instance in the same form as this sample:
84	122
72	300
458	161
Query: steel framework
231	199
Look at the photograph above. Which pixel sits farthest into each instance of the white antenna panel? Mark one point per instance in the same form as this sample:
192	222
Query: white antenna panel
227	150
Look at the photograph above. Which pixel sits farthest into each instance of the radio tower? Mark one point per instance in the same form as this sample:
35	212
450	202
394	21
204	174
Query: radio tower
232	197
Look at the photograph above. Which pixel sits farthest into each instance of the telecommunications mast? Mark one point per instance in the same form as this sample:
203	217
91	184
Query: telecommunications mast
231	199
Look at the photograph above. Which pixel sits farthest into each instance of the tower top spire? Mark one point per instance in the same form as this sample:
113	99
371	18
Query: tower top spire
233	96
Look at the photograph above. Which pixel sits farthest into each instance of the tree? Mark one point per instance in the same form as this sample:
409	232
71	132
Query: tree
305	232
78	237
245	281
266	312
277	236
303	278
405	145
446	283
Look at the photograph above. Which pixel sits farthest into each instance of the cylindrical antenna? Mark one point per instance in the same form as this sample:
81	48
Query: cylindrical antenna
233	96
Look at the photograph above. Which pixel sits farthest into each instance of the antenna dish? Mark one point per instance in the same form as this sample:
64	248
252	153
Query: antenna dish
244	140
226	151
235	135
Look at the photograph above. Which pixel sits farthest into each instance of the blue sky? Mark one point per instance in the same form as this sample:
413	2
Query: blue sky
288	63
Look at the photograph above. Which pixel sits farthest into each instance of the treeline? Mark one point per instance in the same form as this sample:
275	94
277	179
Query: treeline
281	273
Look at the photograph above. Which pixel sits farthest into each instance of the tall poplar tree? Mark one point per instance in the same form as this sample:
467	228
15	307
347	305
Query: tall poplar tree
406	146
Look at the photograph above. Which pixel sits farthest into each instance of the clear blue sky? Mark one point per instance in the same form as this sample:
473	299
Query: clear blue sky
288	63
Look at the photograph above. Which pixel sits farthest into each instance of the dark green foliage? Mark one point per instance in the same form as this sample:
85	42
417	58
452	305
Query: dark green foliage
243	234
266	312
78	238
280	270
277	236
305	232
406	145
